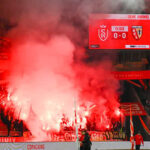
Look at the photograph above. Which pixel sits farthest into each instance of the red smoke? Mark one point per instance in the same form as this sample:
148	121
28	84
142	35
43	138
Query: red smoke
47	71
98	88
45	80
42	81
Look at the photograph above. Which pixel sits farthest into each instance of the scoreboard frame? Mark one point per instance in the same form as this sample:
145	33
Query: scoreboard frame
119	31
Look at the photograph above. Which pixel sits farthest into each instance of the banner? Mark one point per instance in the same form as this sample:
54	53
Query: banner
136	109
95	136
131	75
71	137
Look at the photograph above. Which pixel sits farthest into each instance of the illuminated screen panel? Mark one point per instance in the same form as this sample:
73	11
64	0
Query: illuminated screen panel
119	31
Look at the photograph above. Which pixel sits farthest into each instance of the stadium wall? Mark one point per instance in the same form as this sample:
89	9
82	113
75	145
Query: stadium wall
69	146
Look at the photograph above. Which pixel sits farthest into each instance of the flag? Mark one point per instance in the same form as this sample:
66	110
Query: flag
76	124
131	130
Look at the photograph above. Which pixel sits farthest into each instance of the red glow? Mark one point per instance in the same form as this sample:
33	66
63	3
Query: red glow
45	81
23	116
86	113
108	126
117	112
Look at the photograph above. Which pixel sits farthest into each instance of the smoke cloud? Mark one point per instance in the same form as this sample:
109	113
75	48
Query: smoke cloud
48	70
61	16
42	79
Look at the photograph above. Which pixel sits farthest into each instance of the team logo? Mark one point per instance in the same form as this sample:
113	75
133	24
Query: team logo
137	32
103	32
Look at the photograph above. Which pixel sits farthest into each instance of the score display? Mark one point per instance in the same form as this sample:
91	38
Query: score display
119	31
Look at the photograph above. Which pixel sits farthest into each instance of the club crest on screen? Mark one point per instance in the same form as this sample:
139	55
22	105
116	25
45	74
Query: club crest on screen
103	33
137	32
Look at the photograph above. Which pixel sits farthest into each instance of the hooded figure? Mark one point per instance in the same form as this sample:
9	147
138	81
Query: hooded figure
85	143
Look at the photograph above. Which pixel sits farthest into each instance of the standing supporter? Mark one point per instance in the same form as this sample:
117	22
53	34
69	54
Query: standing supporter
85	143
138	140
81	139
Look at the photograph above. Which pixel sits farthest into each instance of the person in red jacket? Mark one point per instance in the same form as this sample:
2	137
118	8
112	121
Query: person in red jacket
138	140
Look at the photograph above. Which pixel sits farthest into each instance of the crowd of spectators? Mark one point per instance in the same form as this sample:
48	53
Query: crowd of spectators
11	123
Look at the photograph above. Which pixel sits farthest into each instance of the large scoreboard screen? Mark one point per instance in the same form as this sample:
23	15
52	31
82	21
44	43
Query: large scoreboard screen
119	31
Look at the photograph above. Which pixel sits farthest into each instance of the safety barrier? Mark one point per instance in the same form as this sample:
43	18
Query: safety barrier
69	146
